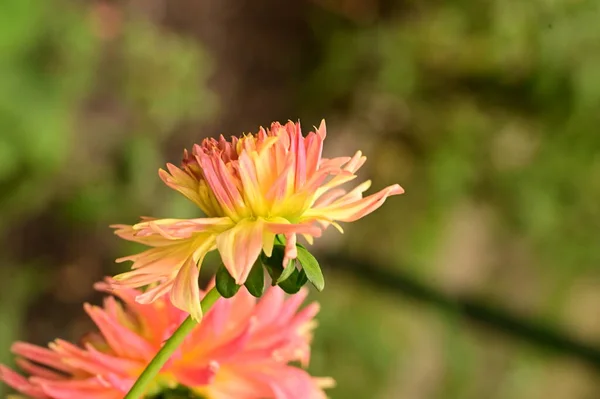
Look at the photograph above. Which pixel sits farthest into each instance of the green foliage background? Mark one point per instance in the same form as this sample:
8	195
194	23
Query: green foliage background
487	112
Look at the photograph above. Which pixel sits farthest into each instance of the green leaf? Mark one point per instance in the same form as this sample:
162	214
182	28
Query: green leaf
287	272
293	283
273	264
310	265
289	279
255	283
302	278
225	283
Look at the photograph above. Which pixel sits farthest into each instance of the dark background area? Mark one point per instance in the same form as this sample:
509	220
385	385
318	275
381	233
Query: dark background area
482	281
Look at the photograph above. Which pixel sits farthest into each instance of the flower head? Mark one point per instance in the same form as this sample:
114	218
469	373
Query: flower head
250	188
241	350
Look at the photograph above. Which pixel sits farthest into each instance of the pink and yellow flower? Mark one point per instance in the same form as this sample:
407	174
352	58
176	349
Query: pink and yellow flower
251	188
241	350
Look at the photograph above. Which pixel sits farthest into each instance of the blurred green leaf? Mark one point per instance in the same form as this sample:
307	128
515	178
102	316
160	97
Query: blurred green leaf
255	283
225	283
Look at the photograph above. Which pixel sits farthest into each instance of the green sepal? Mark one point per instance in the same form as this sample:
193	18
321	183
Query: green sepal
255	283
225	283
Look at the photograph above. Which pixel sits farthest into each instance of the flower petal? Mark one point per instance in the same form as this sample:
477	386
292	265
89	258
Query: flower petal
120	338
291	251
40	355
268	242
21	384
279	225
240	246
154	293
185	293
163	232
349	212
178	180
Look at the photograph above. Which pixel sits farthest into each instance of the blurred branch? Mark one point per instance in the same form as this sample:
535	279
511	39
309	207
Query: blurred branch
495	318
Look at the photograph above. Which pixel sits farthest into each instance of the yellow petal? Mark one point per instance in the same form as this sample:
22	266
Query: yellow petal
240	246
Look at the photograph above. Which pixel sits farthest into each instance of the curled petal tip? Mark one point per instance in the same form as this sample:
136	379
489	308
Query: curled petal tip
163	174
322	130
103	286
326	382
88	307
396	189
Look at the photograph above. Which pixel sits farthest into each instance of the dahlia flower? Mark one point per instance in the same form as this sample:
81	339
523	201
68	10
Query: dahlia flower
241	350
250	189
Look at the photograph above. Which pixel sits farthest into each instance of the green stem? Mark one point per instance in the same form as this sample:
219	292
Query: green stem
139	387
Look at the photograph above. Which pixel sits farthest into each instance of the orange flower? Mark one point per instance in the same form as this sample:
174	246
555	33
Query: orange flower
241	350
251	188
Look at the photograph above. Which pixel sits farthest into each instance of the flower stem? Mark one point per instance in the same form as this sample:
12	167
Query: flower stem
139	387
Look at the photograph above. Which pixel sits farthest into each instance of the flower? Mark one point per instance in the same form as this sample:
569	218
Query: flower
241	350
251	188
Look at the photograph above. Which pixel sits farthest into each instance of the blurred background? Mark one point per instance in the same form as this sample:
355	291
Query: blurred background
482	281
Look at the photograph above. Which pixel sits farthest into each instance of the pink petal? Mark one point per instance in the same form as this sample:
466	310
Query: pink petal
289	228
300	149
329	197
216	184
349	212
292	383
355	162
38	371
153	322
229	184
269	305
291	305
115	364
322	130
234	345
91	388
122	340
291	252
77	358
40	355
197	375
21	384
121	384
314	151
